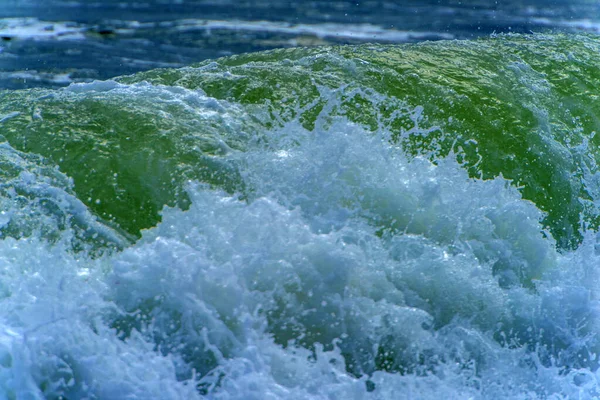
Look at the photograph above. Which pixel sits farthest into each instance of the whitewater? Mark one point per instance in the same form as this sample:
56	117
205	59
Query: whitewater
344	222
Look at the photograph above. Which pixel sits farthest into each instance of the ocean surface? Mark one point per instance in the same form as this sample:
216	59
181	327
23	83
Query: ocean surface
352	220
52	43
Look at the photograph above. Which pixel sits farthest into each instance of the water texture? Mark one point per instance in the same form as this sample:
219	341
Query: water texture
53	43
371	221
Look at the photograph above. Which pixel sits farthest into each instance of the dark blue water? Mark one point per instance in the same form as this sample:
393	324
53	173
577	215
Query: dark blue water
53	43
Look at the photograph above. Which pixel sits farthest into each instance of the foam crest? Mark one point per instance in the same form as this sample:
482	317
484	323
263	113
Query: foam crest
399	274
346	269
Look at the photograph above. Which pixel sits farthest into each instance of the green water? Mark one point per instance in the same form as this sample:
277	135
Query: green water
321	239
524	107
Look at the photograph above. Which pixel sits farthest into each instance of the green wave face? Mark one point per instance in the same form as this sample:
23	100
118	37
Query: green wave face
127	149
308	223
524	107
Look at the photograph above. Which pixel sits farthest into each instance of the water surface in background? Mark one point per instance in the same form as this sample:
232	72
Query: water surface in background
53	43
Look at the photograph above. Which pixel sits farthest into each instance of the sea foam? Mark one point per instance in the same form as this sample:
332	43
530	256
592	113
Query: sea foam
346	269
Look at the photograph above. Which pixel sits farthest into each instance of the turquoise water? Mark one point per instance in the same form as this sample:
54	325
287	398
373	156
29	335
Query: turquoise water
415	221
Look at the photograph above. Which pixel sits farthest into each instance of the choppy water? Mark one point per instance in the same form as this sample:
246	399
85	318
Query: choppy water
52	43
376	221
381	222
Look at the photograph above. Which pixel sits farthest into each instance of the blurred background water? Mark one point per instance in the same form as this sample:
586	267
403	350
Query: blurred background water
51	43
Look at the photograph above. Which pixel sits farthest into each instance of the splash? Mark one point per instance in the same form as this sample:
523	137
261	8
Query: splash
337	242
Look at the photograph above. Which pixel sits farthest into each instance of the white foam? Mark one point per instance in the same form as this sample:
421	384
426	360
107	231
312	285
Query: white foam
35	29
324	30
37	77
302	261
345	259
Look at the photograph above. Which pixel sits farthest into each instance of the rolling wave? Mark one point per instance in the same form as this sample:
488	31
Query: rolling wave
369	221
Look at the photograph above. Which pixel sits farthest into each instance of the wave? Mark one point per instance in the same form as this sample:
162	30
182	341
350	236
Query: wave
366	221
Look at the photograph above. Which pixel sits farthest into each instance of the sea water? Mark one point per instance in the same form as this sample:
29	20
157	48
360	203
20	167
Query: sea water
377	222
52	43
